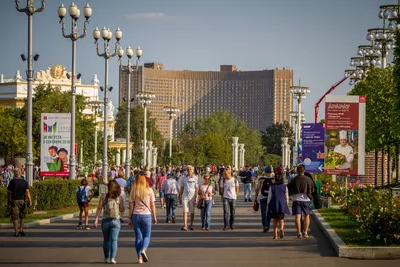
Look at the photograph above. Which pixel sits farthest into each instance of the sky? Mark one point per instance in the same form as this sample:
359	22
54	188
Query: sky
314	38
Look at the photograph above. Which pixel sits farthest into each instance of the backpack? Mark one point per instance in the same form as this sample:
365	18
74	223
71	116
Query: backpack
81	195
111	208
265	186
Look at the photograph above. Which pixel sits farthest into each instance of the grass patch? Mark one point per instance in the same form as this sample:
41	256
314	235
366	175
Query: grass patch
49	214
348	229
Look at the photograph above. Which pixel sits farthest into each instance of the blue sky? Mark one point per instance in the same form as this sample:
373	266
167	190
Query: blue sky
315	38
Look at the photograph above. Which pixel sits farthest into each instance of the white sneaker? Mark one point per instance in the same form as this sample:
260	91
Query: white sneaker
144	256
113	261
140	261
106	260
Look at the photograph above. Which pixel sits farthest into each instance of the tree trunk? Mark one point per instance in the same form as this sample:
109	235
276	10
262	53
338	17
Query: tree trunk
389	165
383	167
397	162
376	167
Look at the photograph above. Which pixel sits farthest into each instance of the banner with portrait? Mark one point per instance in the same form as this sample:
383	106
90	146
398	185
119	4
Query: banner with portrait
55	144
345	135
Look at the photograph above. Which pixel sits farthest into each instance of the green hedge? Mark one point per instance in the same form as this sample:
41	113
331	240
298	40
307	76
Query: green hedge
3	202
54	194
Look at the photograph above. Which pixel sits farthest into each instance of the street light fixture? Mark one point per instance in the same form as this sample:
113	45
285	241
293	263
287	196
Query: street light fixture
106	34
29	10
299	92
130	71
145	98
171	114
74	12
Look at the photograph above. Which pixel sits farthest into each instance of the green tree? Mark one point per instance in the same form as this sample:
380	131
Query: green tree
136	132
226	125
382	114
272	137
12	134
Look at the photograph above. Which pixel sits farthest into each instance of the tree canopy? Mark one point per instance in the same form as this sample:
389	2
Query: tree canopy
208	140
272	137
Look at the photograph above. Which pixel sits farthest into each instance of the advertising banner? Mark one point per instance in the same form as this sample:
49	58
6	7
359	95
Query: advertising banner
345	135
55	144
313	147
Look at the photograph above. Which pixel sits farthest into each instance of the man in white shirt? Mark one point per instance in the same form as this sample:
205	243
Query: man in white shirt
346	150
230	189
188	196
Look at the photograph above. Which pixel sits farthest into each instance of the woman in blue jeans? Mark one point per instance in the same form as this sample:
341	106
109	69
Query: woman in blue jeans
142	213
113	205
206	192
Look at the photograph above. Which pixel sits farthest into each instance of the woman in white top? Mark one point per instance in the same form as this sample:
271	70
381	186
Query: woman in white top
206	192
142	213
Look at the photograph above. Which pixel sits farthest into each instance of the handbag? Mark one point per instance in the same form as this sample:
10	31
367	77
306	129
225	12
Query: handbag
201	204
256	206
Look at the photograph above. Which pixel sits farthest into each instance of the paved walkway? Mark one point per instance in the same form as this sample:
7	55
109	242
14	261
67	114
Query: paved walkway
60	244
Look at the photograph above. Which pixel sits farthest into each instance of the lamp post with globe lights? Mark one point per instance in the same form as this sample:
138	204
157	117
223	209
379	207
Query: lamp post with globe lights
299	92
391	13
74	12
106	34
145	98
130	71
29	10
171	114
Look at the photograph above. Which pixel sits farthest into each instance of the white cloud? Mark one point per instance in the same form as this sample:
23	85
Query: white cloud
146	16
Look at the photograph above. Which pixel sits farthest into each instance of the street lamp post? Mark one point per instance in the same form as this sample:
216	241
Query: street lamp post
130	70
145	99
299	92
171	114
95	107
74	12
106	34
29	10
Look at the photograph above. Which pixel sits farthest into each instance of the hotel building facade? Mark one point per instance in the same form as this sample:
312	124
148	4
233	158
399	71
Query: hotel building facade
260	98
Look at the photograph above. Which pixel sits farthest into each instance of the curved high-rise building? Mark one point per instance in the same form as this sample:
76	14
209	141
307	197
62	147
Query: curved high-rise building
259	98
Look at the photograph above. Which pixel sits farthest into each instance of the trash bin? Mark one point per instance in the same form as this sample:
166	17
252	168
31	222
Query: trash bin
396	191
318	184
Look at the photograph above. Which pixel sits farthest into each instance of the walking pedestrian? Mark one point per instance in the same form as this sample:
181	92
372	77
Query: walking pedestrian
142	213
230	189
188	196
84	195
171	189
248	182
113	206
123	184
301	189
262	190
206	192
278	197
132	178
18	191
160	180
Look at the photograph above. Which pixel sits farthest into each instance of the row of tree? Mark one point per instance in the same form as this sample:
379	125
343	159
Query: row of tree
382	88
203	141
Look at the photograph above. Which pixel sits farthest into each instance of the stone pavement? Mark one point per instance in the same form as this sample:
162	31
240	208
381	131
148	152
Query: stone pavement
60	244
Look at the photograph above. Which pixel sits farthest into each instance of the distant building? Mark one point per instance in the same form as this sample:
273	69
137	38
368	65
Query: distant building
259	98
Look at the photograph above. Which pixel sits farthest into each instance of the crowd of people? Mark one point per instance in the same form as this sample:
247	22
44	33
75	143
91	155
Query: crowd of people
192	188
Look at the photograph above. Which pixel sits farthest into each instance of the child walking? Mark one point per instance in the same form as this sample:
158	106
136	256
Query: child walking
278	197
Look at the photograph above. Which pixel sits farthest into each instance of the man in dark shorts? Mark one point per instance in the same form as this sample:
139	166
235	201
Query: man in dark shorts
18	190
301	189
